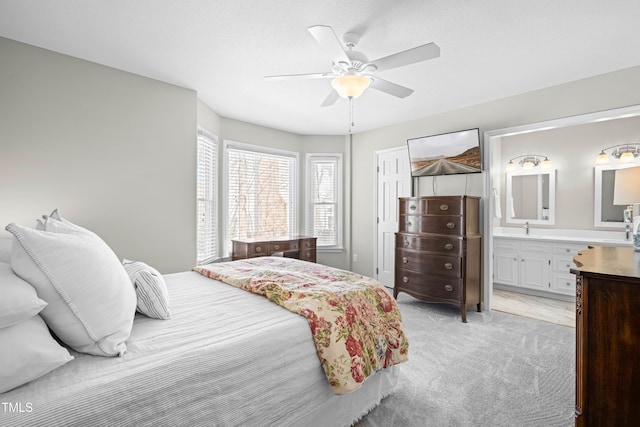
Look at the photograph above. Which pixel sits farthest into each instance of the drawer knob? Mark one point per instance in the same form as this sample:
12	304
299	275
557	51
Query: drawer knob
295	246
307	244
406	243
405	279
258	249
448	266
276	247
448	288
308	255
405	260
413	207
408	224
444	207
448	246
568	265
451	225
568	250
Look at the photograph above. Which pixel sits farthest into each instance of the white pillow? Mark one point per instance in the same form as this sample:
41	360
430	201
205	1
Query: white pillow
151	289
5	250
91	303
19	300
28	352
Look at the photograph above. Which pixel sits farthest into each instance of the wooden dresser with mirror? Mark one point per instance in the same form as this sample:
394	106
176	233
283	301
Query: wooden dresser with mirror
438	250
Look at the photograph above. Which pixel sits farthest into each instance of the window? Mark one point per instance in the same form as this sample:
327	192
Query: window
261	191
207	214
324	199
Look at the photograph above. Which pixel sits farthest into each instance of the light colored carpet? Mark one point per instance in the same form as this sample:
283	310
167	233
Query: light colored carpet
496	370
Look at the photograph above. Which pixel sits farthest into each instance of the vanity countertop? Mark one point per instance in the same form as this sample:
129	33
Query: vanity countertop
604	238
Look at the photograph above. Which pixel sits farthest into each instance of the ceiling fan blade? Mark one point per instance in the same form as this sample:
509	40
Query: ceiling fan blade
328	41
330	99
390	88
411	56
301	76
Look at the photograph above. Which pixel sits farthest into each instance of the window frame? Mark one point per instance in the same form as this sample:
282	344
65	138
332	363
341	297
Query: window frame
311	158
207	137
259	149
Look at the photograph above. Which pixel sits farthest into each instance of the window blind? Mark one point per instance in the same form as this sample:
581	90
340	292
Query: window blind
207	215
261	189
323	216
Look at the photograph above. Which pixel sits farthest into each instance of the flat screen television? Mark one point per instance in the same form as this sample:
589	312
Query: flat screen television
445	154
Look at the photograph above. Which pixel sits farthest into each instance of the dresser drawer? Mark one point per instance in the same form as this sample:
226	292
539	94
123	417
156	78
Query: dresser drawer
308	243
258	249
431	206
428	263
444	206
282	246
443	245
308	255
428	285
444	224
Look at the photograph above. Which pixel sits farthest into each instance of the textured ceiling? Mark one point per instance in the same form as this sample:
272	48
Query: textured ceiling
490	49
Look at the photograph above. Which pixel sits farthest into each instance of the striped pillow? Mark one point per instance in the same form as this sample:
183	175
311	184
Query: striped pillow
151	289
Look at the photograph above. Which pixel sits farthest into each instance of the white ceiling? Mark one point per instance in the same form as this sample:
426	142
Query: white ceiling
490	49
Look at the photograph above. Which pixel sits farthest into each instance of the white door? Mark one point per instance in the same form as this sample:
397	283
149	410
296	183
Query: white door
393	181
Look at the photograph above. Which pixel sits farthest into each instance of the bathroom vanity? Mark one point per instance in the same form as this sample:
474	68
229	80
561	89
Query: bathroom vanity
540	262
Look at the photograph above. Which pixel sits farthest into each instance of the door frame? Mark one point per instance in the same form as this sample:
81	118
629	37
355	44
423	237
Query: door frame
493	166
376	158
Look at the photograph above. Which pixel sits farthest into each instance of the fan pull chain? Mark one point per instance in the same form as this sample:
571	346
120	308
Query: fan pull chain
351	122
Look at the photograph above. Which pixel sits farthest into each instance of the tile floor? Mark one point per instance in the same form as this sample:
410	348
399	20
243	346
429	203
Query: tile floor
547	309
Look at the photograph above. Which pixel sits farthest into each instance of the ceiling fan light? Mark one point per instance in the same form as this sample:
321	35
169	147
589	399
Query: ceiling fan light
350	85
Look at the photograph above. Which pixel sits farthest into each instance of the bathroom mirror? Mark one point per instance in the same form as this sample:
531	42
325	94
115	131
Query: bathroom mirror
531	197
605	213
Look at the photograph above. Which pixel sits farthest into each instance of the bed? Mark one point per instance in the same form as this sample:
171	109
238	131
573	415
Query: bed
226	357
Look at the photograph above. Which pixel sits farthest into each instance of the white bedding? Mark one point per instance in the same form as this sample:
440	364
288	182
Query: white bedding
225	358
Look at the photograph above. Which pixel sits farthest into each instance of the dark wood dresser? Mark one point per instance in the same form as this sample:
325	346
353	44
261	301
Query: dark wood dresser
439	250
607	336
300	247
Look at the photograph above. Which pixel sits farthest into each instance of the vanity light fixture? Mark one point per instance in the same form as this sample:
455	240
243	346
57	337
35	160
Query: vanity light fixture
626	153
530	161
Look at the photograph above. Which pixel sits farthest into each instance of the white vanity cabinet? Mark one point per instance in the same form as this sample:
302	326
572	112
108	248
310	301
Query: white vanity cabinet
562	281
535	264
521	263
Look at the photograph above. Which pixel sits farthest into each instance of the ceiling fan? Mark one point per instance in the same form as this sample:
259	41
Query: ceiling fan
352	72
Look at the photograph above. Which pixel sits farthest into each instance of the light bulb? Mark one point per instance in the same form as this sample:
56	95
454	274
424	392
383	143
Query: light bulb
627	157
602	158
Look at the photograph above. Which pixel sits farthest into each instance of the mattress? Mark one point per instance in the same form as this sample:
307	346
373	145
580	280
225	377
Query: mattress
226	358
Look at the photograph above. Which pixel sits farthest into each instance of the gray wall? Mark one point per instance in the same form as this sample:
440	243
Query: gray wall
573	151
113	151
116	153
598	93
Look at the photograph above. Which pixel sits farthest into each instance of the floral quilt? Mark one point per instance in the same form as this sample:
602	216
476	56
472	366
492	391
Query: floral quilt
355	323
